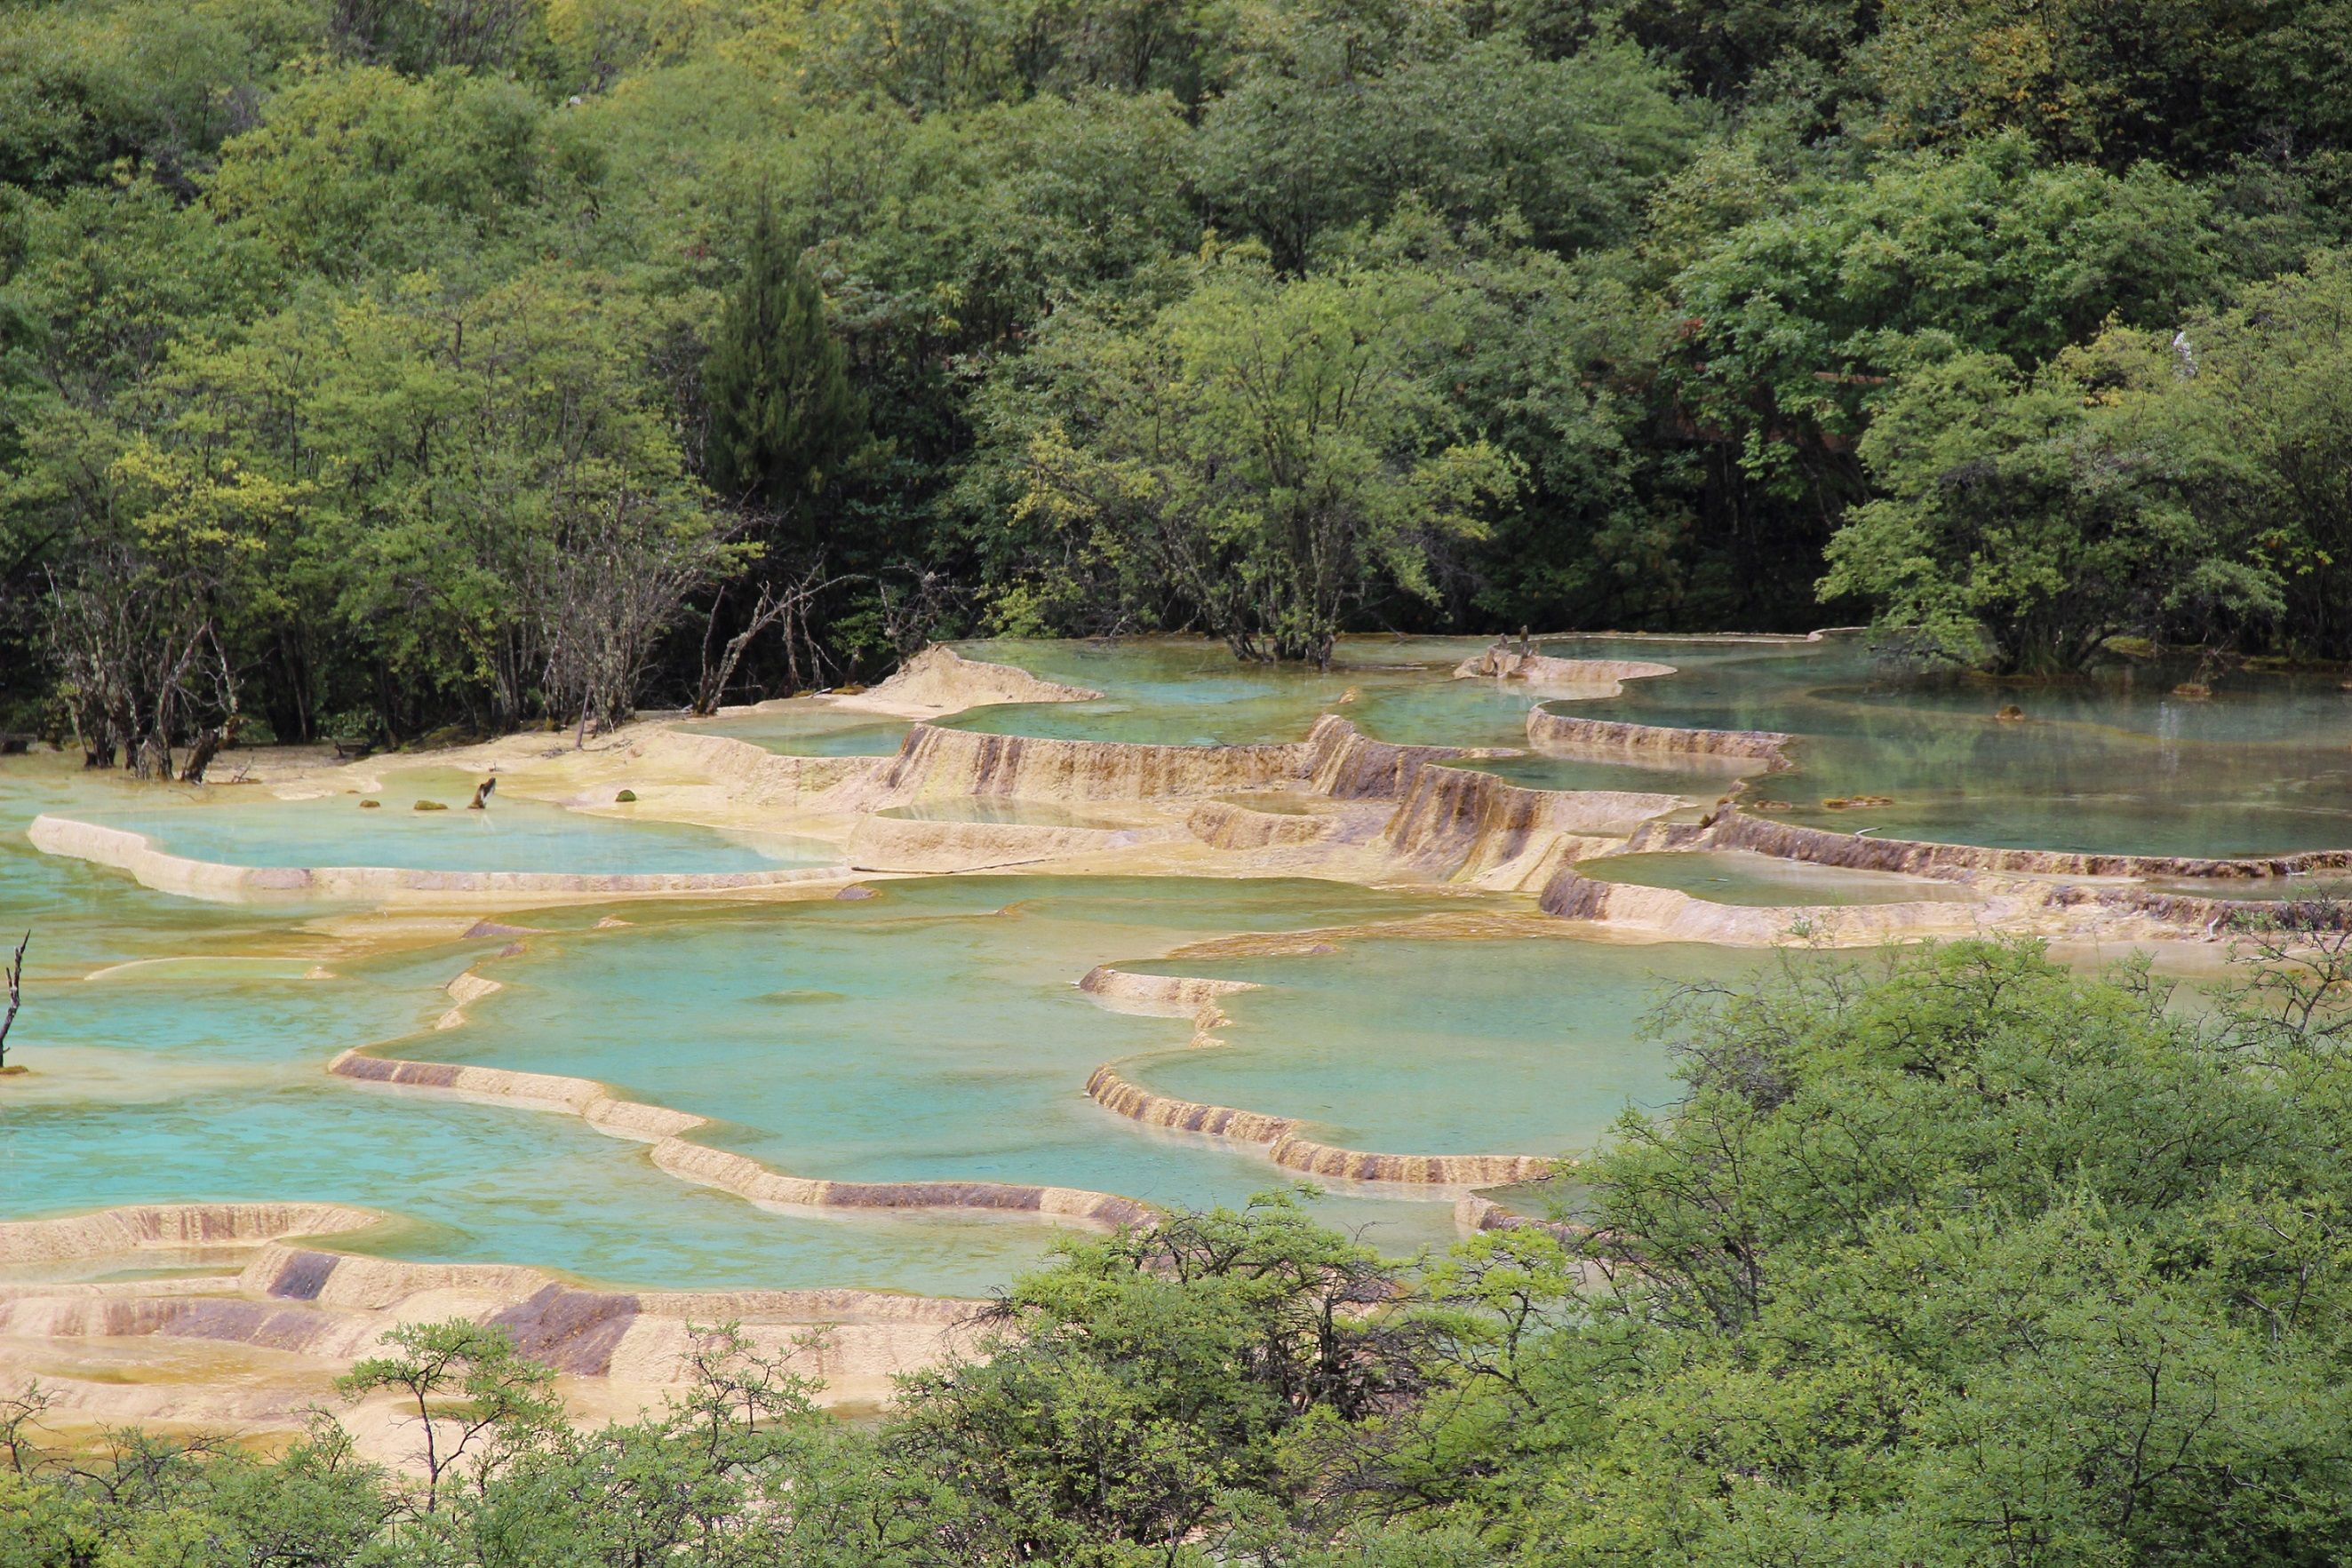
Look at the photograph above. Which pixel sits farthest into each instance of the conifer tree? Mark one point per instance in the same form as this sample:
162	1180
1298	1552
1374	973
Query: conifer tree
784	417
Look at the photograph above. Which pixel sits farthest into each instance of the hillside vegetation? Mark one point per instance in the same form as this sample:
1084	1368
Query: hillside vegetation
372	367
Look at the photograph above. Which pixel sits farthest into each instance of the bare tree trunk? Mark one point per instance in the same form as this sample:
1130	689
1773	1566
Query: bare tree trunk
16	976
775	605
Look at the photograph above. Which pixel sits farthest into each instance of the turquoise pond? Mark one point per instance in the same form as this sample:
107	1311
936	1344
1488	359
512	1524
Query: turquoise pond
243	825
1736	877
934	1030
2115	763
802	727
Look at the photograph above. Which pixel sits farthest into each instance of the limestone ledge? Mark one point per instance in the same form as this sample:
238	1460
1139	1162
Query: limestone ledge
751	775
1473	1213
1450	823
1668	915
920	844
1560	732
1739	831
935	763
939	680
130	1230
1456	824
312	1313
1280	1139
1230	825
133	852
1158	996
1343	762
1586	678
662	1128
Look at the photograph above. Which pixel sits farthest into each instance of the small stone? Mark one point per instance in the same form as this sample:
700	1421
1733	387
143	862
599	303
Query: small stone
2009	714
429	806
625	798
370	805
855	890
481	929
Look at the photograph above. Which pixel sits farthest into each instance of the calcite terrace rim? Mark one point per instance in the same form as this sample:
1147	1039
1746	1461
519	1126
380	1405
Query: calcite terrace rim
662	1128
121	849
128	1230
1280	1140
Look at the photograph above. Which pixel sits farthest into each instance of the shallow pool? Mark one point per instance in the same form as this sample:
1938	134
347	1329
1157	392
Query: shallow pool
1531	1046
1736	877
2116	764
244	825
801	726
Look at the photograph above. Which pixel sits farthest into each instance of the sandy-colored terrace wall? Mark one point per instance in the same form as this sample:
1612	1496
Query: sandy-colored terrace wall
133	852
1280	1139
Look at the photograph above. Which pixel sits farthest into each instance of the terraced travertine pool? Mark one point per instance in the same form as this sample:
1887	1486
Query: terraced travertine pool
384	828
1381	955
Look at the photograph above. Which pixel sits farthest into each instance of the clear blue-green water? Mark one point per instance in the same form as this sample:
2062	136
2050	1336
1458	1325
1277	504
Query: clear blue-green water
932	1031
2112	763
1736	877
1418	1046
803	727
2115	763
935	1029
244	825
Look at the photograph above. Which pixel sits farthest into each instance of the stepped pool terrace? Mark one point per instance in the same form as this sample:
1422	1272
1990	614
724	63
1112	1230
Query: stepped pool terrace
797	726
906	983
1743	877
242	826
2115	764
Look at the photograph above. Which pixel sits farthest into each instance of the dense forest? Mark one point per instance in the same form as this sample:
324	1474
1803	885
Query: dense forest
1954	1259
373	369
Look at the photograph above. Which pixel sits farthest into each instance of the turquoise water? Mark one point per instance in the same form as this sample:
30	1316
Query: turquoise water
2115	763
1524	1046
802	727
244	825
933	1031
1177	691
1736	876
